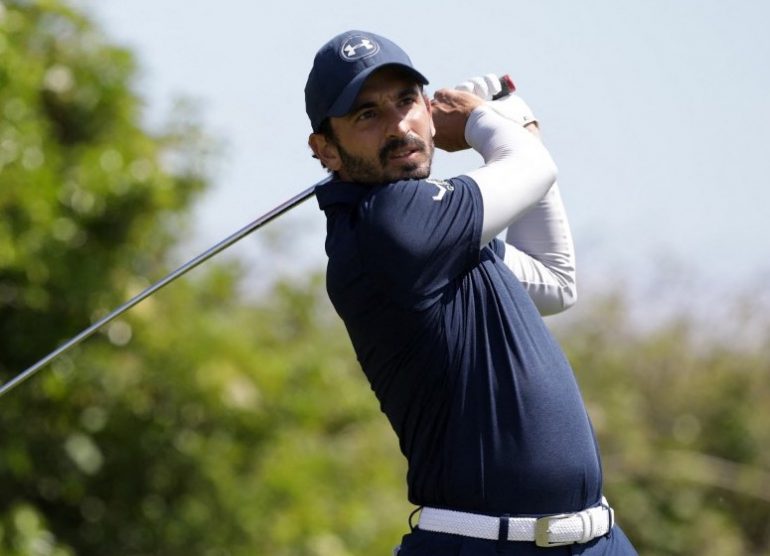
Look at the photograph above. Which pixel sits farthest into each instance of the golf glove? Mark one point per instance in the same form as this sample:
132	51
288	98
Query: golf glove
510	106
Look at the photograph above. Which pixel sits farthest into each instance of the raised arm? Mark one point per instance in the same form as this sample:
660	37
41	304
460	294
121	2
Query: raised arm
517	169
539	247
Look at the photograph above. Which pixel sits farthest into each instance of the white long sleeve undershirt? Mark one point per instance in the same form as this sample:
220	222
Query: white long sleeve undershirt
519	192
540	252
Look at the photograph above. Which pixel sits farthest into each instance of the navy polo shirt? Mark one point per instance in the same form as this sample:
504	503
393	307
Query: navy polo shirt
484	402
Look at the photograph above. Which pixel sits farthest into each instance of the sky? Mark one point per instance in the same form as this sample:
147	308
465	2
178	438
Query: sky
656	112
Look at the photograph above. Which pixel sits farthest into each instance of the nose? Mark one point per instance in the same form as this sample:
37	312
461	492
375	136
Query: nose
397	123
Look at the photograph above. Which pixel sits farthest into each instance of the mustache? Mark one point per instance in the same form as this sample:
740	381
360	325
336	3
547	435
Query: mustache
410	141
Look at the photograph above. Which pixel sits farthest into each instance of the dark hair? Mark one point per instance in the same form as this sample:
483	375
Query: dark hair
325	129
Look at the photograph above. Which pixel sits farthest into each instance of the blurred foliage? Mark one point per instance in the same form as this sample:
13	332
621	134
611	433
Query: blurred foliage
683	420
205	422
197	424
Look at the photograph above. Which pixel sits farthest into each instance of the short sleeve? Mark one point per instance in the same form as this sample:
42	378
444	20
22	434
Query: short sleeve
419	235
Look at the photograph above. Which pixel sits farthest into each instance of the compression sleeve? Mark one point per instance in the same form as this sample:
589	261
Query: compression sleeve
540	252
517	172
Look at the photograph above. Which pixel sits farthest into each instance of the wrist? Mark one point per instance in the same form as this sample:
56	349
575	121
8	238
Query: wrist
474	124
486	130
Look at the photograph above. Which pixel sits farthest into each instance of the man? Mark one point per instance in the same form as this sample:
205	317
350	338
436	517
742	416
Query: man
484	403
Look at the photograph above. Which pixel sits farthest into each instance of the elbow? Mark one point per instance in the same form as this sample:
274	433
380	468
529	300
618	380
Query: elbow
542	160
550	169
568	287
569	297
557	304
542	168
563	273
564	295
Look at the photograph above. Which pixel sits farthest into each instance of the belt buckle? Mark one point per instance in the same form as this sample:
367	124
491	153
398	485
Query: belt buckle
543	530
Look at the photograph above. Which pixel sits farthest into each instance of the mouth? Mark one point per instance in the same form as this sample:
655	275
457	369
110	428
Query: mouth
404	154
408	154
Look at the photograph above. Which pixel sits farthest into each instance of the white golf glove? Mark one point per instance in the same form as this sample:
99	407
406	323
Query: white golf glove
510	106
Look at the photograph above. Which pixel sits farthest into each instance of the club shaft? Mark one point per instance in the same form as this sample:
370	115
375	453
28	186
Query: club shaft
184	269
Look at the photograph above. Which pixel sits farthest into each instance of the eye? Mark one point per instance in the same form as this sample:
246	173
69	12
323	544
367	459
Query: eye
365	115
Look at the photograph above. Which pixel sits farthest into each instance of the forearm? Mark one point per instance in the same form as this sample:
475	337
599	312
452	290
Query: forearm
517	173
540	252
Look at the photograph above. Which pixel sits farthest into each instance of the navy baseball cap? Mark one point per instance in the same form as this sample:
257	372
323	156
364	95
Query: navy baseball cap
340	68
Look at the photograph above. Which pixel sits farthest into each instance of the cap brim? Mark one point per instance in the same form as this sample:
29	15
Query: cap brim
344	102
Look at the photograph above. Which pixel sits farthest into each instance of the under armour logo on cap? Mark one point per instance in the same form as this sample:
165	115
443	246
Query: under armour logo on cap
358	47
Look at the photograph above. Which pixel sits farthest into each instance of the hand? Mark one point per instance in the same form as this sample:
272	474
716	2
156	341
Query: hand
450	114
486	86
510	106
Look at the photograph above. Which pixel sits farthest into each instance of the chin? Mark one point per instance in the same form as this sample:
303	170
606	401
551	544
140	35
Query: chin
420	174
413	171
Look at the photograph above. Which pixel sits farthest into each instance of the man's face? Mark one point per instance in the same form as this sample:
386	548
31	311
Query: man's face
388	135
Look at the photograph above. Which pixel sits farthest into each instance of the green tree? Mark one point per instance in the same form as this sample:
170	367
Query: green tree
683	420
198	423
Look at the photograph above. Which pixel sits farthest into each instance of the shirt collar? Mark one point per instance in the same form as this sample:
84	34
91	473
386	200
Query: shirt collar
340	192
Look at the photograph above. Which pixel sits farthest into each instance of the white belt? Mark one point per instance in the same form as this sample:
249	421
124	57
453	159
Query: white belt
546	531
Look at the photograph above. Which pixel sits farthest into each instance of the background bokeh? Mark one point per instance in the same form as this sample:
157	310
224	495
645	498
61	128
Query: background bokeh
227	415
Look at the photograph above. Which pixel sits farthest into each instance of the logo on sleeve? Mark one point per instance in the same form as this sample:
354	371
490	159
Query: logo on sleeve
443	187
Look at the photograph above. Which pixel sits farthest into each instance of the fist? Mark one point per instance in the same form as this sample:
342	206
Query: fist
486	86
451	109
510	106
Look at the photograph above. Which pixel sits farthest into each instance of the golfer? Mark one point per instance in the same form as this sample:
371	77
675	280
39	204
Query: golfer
444	317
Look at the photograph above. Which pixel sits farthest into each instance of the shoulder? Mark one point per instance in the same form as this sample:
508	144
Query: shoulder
421	218
401	201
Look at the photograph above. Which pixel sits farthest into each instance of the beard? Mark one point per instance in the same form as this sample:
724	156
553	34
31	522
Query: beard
364	170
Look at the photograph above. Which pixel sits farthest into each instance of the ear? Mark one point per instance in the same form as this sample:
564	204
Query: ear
429	106
325	150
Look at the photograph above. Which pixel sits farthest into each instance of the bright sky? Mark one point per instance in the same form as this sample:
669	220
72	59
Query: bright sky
656	112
